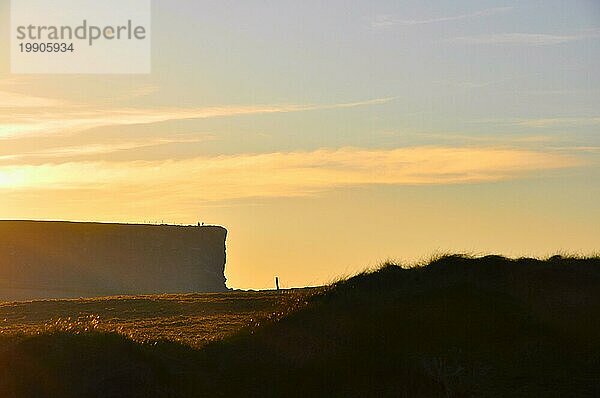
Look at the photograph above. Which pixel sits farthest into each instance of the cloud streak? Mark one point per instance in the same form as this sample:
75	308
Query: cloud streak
31	121
559	122
525	39
383	21
280	174
10	100
70	152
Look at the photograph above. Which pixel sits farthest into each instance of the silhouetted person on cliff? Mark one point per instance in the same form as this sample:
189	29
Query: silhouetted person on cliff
277	283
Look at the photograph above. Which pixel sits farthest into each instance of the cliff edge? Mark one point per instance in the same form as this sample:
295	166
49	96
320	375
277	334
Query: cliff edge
50	259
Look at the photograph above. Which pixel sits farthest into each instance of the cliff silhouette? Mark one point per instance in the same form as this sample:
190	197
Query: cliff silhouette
49	259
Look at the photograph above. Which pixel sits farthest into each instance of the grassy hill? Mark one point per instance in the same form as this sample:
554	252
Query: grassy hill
457	327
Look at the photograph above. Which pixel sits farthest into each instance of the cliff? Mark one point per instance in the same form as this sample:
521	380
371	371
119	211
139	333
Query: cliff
40	259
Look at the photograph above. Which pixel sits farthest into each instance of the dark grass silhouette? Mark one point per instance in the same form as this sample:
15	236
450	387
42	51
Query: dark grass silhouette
457	327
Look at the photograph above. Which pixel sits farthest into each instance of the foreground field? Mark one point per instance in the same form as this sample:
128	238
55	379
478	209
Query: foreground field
457	327
190	319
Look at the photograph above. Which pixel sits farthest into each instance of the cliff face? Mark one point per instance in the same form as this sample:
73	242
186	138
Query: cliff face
60	259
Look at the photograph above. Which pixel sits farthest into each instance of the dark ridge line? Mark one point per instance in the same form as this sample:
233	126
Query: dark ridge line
114	223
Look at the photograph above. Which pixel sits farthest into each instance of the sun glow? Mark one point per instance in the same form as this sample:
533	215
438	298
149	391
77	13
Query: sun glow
11	179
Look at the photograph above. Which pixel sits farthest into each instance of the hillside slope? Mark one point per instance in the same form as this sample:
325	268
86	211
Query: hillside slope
457	327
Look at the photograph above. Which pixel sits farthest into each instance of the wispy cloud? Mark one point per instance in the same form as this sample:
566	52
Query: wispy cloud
472	84
451	138
540	123
138	92
27	120
578	149
526	39
553	122
10	100
62	154
382	21
280	174
18	81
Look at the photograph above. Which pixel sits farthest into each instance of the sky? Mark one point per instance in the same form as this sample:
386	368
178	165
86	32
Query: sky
326	136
